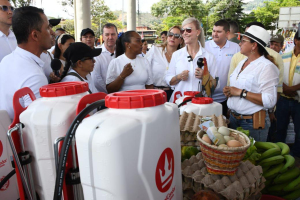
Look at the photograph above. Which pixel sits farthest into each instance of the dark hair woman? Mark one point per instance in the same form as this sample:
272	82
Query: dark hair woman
128	71
79	64
61	44
160	56
253	84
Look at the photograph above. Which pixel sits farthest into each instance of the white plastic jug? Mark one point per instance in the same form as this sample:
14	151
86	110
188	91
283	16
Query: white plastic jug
10	188
186	95
45	120
131	150
203	106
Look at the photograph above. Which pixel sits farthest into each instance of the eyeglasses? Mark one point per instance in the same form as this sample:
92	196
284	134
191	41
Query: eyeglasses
170	34
244	40
188	30
87	58
5	8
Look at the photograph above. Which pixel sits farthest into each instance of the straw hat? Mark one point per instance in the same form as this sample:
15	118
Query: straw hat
258	34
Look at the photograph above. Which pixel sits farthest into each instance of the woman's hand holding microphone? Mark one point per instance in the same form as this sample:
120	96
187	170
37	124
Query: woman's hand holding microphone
199	73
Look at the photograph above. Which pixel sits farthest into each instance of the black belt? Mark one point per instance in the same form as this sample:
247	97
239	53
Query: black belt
162	87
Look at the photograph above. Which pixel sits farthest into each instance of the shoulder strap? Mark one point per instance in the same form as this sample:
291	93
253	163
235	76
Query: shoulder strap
50	55
77	75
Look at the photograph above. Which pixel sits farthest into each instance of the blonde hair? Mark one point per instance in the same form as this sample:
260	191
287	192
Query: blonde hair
164	45
197	23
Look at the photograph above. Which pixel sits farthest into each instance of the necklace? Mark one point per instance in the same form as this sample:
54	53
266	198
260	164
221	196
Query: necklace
170	56
243	67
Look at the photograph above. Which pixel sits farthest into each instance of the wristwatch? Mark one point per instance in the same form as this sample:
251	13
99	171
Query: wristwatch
244	95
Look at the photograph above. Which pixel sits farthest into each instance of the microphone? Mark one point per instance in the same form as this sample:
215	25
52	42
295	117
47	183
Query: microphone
56	65
112	54
190	58
200	62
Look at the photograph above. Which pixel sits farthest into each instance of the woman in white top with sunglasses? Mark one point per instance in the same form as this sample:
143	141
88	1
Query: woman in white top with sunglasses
183	72
160	56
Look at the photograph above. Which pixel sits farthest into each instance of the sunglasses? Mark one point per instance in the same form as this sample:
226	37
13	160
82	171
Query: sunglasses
188	30
244	40
5	8
87	58
170	34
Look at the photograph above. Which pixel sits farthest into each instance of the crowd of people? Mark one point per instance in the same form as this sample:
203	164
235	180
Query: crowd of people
254	79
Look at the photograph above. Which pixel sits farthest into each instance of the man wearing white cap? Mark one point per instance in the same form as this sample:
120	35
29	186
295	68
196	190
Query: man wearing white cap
253	85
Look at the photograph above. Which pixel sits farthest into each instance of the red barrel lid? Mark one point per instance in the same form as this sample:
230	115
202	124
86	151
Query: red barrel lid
202	100
63	89
190	93
135	99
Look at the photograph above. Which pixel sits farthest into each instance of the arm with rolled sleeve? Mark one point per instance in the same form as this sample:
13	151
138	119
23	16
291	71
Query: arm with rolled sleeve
280	67
97	77
268	81
171	72
150	77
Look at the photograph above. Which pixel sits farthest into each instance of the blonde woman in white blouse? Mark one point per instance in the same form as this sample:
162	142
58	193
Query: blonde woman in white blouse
160	56
253	83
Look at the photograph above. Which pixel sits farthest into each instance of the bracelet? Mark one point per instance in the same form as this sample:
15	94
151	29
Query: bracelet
121	77
241	95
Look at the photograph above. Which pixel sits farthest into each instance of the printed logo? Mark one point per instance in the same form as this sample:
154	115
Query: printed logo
5	186
1	148
164	173
2	163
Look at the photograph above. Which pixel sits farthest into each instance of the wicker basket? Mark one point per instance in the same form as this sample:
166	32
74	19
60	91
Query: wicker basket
223	160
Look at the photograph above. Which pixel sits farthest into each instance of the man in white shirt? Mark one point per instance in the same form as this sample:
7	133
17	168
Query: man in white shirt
8	41
110	36
87	37
23	67
223	50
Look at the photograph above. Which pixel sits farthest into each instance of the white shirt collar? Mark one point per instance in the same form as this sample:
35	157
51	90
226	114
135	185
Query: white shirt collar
105	50
216	46
29	55
199	53
10	34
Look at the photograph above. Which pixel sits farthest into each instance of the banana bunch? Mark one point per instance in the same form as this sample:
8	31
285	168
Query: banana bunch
283	178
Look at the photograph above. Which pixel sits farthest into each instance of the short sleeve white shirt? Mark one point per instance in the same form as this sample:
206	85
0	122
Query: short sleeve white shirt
180	62
7	44
223	58
47	66
89	80
18	70
100	69
159	65
137	80
260	76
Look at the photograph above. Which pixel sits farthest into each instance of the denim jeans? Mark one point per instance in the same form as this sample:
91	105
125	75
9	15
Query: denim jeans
247	124
284	109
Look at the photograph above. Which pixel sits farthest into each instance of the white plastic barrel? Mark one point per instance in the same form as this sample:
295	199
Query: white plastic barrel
45	120
203	106
10	188
131	150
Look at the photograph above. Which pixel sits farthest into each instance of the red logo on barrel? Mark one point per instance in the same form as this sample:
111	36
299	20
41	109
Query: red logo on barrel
1	148
165	170
5	186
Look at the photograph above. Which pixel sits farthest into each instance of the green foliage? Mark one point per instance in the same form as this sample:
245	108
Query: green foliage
68	25
268	14
176	8
20	3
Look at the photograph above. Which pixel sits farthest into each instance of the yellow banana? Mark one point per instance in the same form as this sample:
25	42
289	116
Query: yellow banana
273	171
289	163
292	196
270	153
287	176
285	149
271	161
294	185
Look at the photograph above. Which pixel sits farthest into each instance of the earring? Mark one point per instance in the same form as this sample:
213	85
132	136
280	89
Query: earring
129	47
252	52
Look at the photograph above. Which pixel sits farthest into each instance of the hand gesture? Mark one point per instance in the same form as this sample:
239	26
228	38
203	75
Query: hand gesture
199	73
184	75
127	70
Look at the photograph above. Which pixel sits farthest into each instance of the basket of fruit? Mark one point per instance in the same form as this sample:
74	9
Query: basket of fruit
224	152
